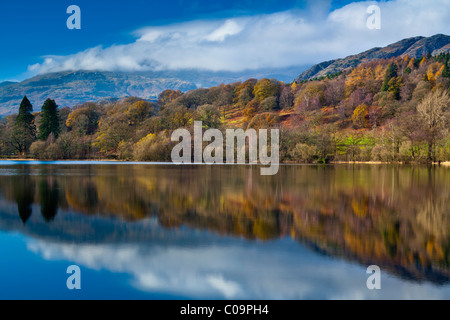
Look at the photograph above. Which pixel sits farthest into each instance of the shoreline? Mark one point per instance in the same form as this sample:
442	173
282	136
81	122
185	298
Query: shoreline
445	163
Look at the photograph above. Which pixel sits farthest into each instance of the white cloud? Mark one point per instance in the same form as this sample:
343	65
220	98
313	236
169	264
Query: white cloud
229	28
263	41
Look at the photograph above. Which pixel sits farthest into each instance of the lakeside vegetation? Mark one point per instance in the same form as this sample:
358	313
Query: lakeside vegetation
386	110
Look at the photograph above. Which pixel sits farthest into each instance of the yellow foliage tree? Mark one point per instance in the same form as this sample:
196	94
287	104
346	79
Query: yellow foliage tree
379	72
357	79
359	116
422	62
265	88
434	71
139	111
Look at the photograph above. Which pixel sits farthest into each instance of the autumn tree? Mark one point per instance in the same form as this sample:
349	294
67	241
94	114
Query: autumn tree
359	116
357	78
358	97
374	116
394	136
334	92
434	71
168	96
111	133
220	96
433	115
49	123
192	99
139	111
414	134
264	121
266	88
251	110
286	98
310	97
153	148
269	104
243	93
114	127
24	132
177	116
84	120
209	115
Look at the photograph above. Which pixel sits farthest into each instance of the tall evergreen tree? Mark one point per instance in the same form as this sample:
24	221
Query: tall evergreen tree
445	72
49	120
391	72
24	132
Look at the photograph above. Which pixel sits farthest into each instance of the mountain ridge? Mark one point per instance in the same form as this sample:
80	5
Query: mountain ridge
414	47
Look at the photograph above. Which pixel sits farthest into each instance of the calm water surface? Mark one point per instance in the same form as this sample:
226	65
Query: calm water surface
141	231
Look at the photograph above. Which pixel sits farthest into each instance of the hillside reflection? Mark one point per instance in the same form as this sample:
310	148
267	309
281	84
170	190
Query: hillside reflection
397	217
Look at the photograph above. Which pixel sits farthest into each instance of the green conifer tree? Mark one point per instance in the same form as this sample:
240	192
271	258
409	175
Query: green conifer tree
24	132
49	120
391	72
445	72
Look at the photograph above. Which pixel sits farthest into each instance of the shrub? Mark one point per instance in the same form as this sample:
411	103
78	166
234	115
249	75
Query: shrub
153	148
53	152
125	150
37	149
264	121
304	153
269	104
382	153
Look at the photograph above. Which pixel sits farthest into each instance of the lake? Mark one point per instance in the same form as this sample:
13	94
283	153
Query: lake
160	231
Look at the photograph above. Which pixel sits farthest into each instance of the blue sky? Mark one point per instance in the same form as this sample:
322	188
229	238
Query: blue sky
31	29
138	35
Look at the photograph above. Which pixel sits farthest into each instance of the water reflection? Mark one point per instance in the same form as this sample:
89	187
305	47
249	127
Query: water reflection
395	217
23	193
49	196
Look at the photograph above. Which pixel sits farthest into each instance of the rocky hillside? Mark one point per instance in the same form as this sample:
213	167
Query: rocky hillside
412	47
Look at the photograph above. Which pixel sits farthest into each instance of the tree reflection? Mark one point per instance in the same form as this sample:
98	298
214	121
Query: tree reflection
48	195
392	216
23	192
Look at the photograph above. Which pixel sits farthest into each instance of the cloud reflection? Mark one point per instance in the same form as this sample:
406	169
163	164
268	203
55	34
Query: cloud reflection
277	270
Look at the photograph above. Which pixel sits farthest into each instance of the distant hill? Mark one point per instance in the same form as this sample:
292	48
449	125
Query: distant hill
6	83
71	88
413	47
